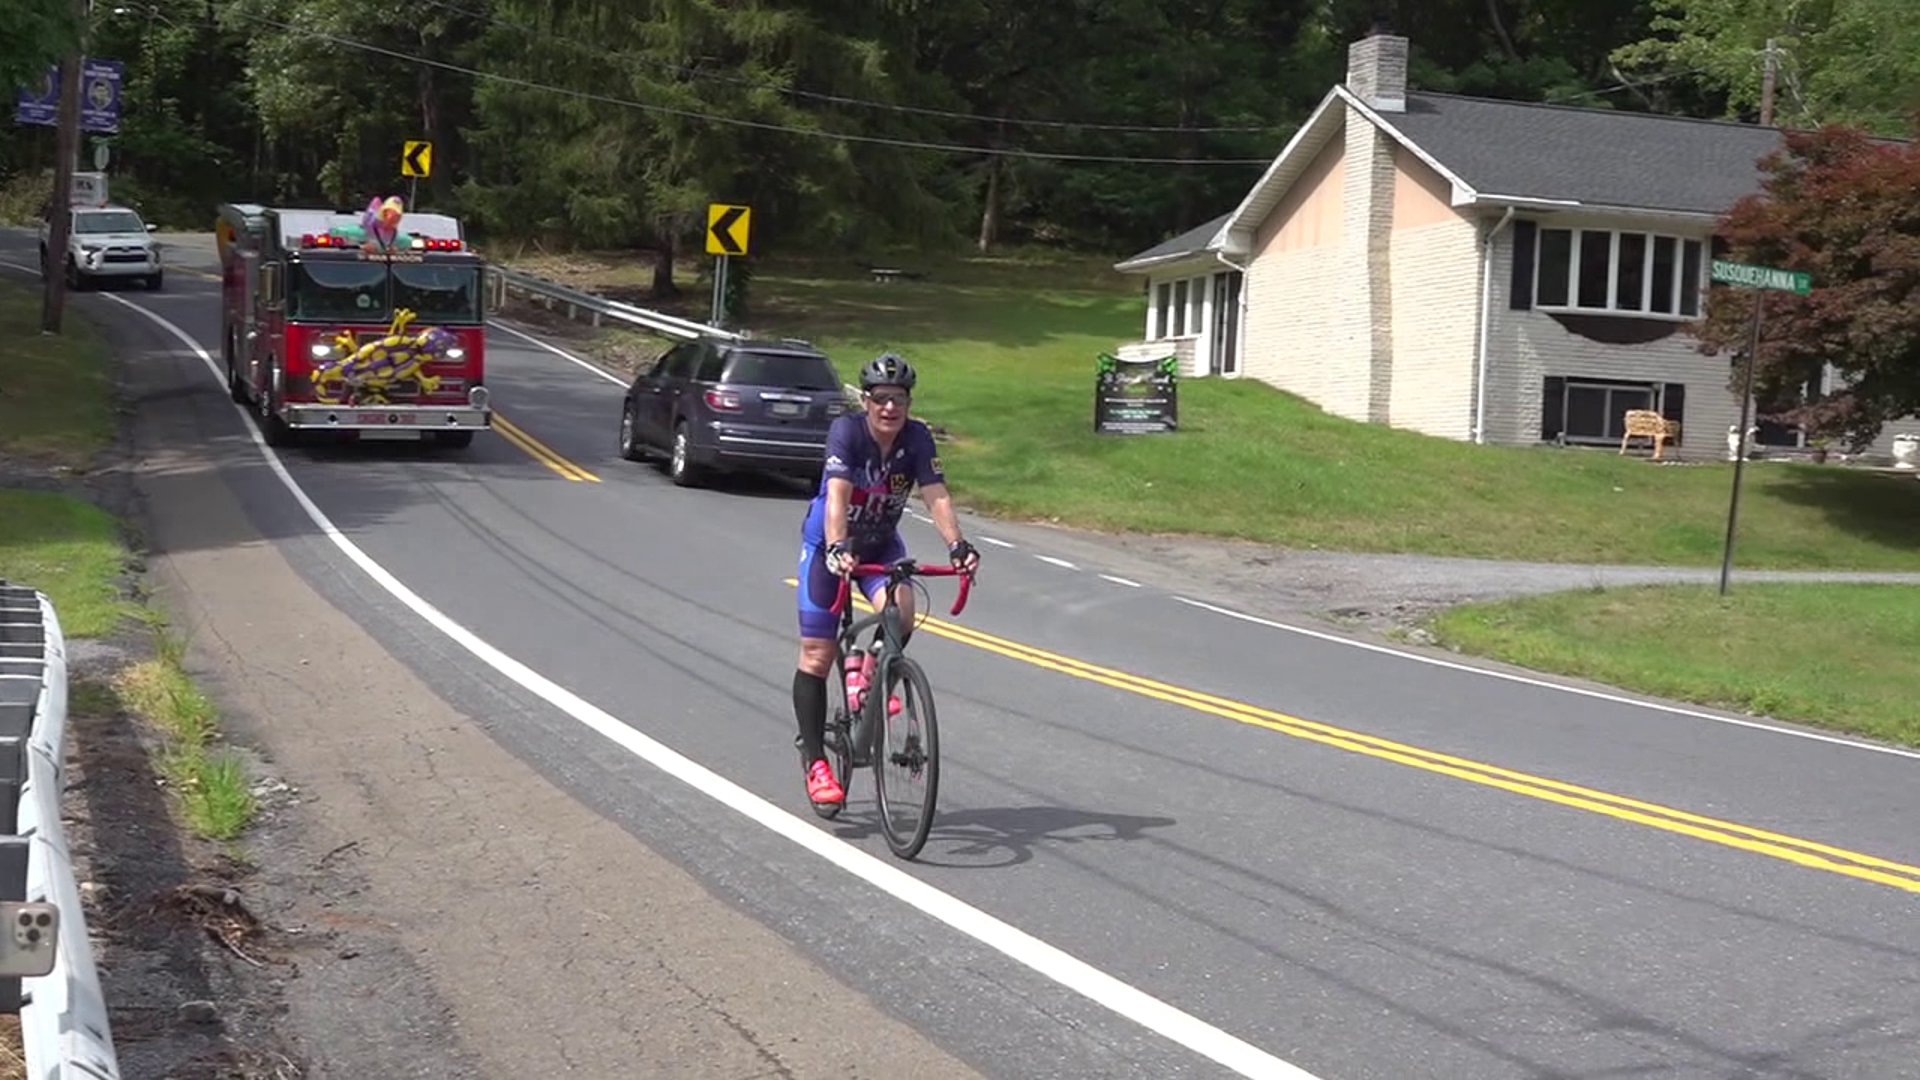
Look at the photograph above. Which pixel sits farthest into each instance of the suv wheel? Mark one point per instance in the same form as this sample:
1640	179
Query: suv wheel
680	466
629	440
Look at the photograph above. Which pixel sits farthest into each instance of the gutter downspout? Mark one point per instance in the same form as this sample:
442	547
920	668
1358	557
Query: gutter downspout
1240	309
1486	329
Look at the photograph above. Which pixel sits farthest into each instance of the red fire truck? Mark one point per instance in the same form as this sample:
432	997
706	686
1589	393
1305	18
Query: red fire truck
304	306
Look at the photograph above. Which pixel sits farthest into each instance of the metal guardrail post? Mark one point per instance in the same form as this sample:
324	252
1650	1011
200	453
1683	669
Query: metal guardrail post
63	1015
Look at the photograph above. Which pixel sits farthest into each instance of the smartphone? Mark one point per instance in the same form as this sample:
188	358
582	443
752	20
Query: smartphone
30	940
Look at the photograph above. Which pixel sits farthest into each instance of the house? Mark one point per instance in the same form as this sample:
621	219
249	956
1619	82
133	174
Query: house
1496	271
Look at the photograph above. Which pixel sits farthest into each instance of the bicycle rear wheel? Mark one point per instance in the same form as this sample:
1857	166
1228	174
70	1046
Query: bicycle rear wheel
906	772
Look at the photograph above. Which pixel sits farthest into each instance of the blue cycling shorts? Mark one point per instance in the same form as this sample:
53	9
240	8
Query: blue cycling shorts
819	586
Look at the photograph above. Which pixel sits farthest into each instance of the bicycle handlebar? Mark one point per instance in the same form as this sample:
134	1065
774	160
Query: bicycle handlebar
901	571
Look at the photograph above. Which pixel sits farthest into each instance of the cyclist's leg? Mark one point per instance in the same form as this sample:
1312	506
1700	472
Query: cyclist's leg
818	628
875	587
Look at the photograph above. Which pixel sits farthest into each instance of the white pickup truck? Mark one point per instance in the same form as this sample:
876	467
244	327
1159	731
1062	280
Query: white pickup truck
105	242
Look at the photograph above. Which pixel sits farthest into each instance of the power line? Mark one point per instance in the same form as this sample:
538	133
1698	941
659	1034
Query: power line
665	110
701	73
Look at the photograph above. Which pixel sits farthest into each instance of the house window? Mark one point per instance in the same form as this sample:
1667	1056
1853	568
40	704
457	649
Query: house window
1179	308
1632	273
1581	409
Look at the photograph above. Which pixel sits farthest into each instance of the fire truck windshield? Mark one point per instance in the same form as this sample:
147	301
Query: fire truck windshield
354	291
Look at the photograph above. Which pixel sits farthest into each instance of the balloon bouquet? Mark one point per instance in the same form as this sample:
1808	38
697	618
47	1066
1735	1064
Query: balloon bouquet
366	375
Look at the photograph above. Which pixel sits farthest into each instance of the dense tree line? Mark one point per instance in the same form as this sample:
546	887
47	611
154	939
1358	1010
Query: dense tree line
1106	124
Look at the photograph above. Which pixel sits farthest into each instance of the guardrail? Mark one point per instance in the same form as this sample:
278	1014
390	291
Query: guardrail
63	1013
503	281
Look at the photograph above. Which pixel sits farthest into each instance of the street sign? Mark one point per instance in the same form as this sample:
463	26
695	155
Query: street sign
100	82
1762	277
727	228
417	158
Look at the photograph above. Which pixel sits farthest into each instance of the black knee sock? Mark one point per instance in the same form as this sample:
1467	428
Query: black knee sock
810	710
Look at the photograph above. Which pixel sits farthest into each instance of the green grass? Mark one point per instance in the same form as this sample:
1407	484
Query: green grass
69	549
208	780
1837	656
1007	348
56	402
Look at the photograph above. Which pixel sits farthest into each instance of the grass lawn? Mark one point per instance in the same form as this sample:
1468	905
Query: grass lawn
56	407
1007	349
1837	656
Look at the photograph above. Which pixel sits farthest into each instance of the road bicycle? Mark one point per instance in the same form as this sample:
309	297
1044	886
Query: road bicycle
902	749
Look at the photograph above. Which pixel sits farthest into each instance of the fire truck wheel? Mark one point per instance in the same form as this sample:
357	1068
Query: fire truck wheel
458	440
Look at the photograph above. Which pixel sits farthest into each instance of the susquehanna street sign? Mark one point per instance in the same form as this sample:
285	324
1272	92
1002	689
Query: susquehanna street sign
1762	277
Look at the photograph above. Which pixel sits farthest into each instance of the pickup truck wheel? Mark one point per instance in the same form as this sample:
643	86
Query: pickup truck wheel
155	281
75	279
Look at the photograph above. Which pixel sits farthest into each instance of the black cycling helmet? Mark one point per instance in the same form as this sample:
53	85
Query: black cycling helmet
887	369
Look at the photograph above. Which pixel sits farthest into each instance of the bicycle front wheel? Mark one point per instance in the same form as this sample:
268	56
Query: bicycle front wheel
907	770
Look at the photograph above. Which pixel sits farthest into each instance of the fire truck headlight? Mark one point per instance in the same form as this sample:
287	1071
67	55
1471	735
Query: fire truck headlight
456	353
478	397
321	351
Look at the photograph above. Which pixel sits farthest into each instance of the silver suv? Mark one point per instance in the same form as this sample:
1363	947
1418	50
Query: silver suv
106	242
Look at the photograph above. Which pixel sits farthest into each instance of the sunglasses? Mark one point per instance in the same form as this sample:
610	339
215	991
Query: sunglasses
890	397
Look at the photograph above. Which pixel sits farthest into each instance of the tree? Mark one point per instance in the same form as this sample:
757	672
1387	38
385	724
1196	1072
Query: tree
38	33
1839	204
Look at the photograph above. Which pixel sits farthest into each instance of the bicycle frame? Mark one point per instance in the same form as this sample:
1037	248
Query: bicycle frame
887	618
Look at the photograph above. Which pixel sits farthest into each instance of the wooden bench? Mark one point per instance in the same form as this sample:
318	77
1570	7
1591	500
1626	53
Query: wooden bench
1647	424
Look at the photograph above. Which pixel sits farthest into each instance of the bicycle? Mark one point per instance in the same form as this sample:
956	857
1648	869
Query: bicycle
858	740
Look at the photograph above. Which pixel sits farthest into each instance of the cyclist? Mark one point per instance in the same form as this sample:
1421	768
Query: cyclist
873	460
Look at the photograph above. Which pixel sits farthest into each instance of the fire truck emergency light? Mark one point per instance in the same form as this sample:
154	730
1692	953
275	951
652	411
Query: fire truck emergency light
328	240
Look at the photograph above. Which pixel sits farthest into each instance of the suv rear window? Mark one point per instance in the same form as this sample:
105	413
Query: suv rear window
797	371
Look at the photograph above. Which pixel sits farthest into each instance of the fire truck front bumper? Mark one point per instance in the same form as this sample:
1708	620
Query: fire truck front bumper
476	414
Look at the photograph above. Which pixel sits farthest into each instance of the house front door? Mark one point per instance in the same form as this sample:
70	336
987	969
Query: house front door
1223	357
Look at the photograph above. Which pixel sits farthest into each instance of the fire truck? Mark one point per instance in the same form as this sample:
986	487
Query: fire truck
324	331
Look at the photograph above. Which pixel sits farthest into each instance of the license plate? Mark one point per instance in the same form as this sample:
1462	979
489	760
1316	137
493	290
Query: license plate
785	408
372	418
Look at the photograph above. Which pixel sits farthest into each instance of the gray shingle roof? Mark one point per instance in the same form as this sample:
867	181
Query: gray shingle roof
1594	156
1193	240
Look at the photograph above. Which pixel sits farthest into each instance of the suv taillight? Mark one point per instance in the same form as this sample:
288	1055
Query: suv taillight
723	401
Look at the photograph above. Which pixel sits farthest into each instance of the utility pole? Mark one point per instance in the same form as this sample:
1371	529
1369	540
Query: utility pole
1766	86
66	157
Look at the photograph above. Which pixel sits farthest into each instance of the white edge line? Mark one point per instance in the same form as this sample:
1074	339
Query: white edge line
557	351
1120	581
1065	969
996	541
1056	562
1618	699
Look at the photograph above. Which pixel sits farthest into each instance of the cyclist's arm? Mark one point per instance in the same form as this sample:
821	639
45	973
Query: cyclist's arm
834	521
940	509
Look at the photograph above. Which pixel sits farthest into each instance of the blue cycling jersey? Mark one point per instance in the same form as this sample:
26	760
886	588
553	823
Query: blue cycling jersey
880	486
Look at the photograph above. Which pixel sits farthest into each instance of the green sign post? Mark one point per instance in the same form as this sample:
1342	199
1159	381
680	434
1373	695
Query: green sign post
1762	279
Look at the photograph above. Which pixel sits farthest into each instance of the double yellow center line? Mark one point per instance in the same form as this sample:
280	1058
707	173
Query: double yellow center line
1792	849
540	451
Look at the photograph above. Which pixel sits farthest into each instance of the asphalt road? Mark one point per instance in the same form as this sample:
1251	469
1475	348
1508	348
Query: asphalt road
1359	862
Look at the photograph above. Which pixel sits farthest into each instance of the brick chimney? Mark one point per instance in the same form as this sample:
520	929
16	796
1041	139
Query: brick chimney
1377	69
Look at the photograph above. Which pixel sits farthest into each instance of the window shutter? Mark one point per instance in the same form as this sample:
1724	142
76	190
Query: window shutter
1520	282
1673	406
1553	408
